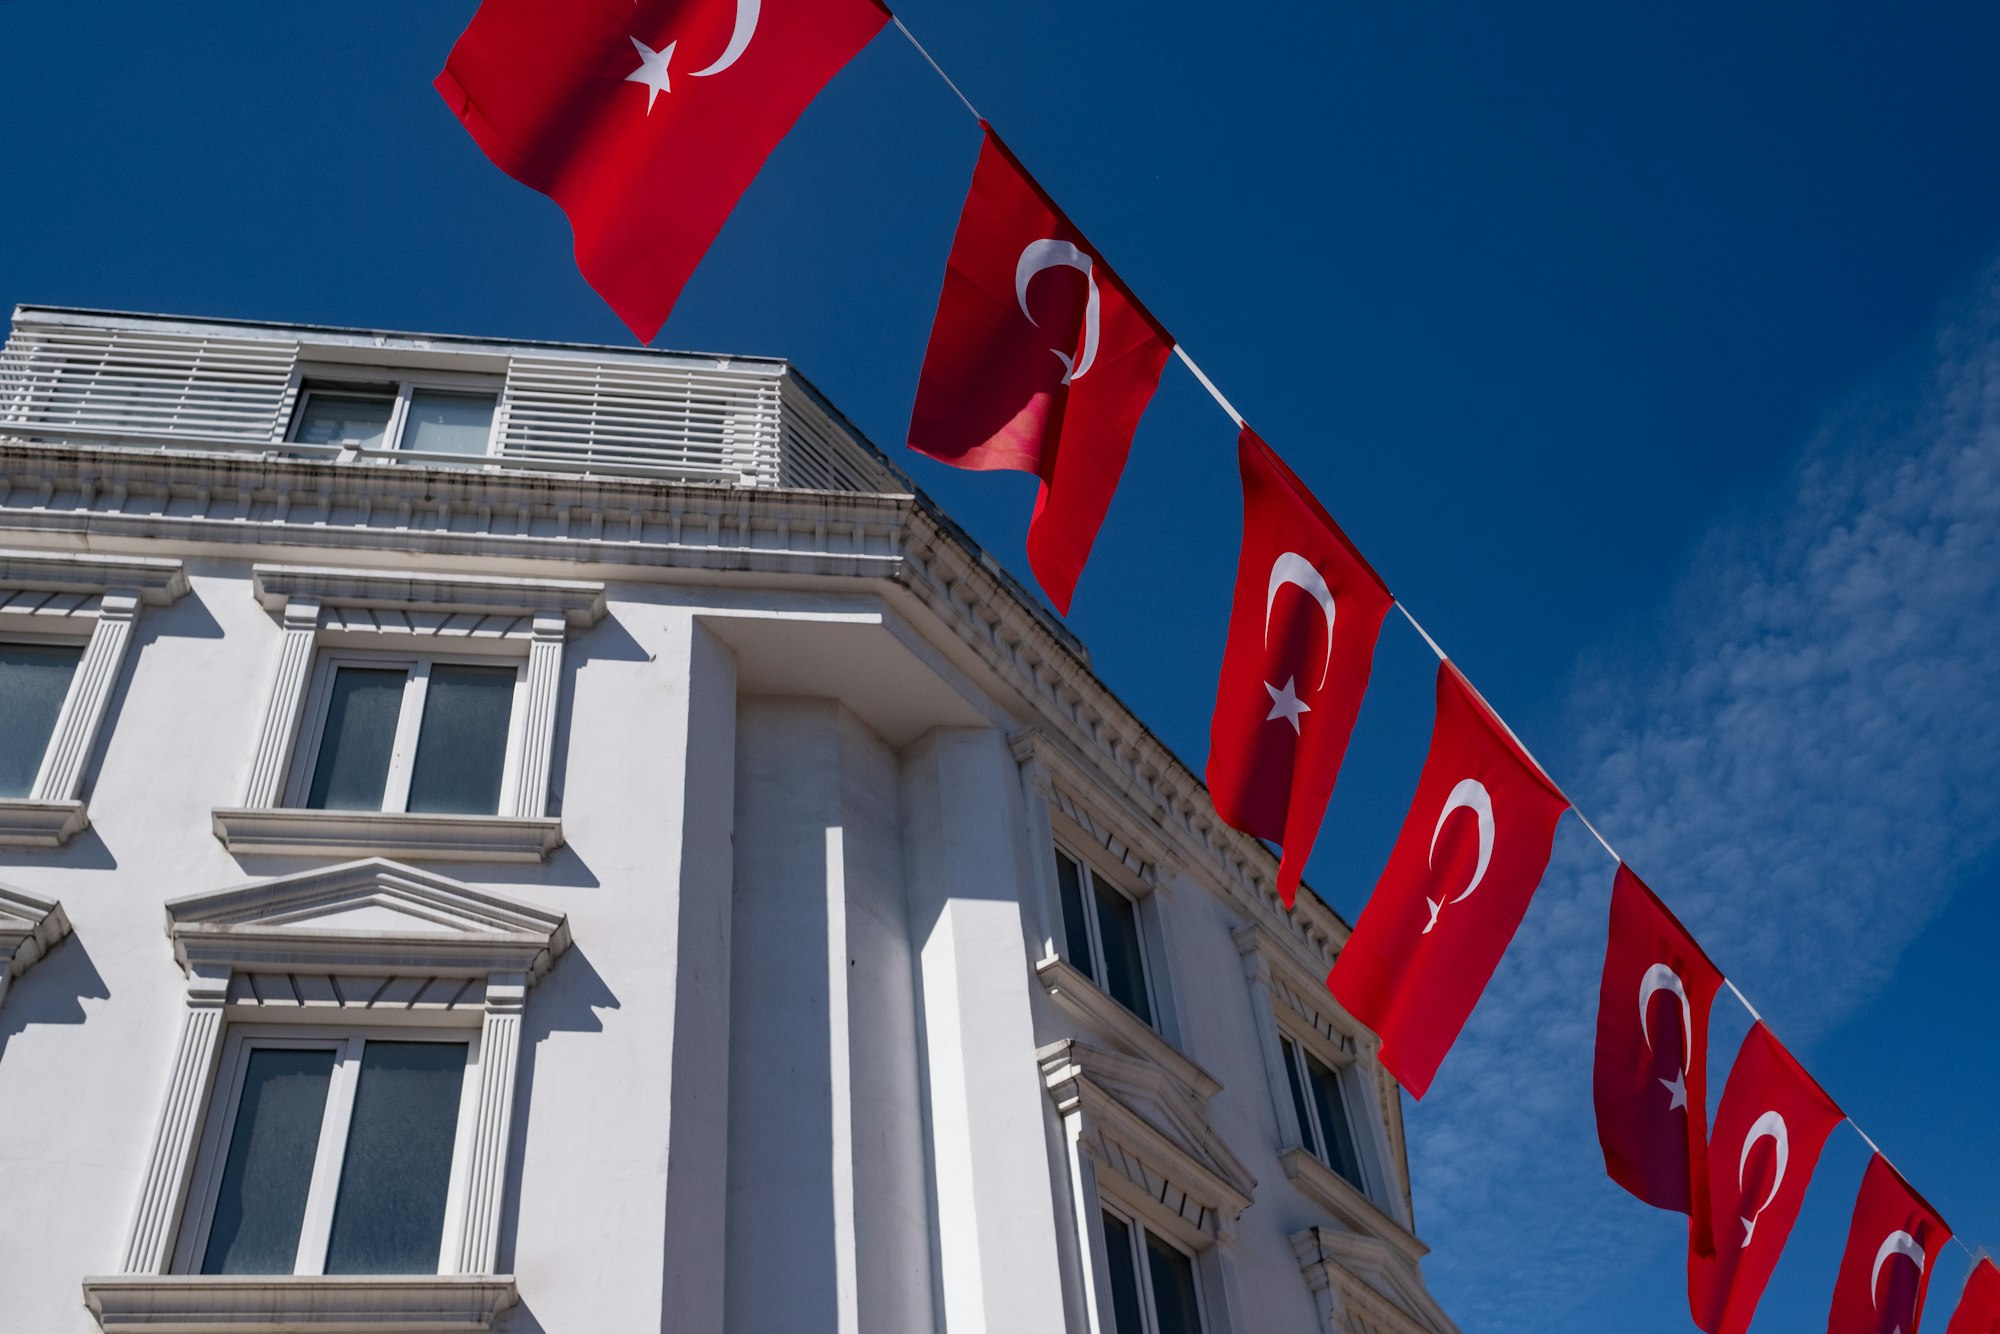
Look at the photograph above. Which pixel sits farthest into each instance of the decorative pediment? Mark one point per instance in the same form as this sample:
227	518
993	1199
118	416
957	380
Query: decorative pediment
1107	820
29	928
1141	1123
1356	1276
374	916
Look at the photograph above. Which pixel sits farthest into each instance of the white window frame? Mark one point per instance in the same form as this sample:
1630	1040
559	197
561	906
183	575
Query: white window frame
403	754
348	1042
1093	946
1149	1314
39	785
1295	1051
397	389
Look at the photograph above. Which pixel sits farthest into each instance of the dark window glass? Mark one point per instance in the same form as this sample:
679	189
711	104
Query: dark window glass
34	681
342	419
265	1176
462	742
1293	1059
389	1218
352	770
1124	965
1174	1298
1334	1129
1124	1276
1069	878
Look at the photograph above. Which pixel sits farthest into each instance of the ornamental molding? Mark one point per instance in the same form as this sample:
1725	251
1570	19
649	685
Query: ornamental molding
469	600
1355	1210
368	917
30	926
1105	817
297	832
70	576
1139	1125
1353	1275
233	1304
1087	1003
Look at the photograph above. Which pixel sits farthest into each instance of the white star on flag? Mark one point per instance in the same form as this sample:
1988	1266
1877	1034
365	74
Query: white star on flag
1677	1086
1285	702
652	70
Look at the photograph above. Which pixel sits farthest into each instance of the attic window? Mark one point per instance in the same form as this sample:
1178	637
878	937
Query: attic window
410	417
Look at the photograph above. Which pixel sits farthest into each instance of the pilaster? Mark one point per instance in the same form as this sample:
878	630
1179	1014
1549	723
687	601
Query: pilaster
167	1168
83	709
285	705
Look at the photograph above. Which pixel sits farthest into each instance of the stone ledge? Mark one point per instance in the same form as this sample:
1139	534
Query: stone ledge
231	1304
1345	1201
1088	1004
459	838
40	824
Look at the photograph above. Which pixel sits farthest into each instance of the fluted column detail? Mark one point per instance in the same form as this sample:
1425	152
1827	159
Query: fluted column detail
531	794
486	1175
150	1248
282	710
83	710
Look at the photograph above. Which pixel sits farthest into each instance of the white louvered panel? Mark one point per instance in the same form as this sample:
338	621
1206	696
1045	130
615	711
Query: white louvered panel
712	424
154	383
821	455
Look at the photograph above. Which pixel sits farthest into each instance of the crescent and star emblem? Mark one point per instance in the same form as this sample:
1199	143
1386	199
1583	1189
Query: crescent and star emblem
1661	978
1769	1126
1294	569
1039	257
652	71
1469	795
1896	1243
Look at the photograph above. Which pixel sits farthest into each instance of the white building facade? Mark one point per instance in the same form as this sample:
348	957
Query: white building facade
543	838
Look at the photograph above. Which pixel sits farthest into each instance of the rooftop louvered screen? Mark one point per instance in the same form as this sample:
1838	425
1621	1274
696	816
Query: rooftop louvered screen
119	382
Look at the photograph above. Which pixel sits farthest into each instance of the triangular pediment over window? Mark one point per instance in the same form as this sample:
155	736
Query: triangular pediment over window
1365	1283
29	928
365	916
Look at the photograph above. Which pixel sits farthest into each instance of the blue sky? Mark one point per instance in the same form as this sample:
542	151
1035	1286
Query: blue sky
1653	356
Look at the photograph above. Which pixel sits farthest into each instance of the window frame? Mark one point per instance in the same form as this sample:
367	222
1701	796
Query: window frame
409	721
1296	1052
1140	1232
397	388
81	643
1093	965
348	1041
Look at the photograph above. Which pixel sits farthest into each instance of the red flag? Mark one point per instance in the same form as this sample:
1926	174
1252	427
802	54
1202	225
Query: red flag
1651	1079
1040	361
645	119
1769	1130
1979	1305
1892	1246
1301	640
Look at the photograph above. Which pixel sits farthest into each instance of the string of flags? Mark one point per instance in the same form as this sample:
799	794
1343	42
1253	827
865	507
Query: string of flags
646	122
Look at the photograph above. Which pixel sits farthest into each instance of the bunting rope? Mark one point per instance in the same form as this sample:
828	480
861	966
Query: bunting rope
1237	418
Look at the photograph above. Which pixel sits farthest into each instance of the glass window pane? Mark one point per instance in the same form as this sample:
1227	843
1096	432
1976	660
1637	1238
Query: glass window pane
1124	965
352	769
389	1218
265	1176
1335	1131
462	744
443	423
342	419
1124	1276
1299	1104
1174	1298
34	680
1069	880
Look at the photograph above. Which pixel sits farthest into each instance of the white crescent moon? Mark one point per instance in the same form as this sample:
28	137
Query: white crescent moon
1294	569
739	40
1469	795
1660	978
1896	1243
1053	254
1769	1126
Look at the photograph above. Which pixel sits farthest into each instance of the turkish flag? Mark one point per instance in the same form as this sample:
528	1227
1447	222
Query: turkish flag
645	119
1651	1079
1302	634
1769	1130
1979	1305
1040	361
1891	1247
1468	859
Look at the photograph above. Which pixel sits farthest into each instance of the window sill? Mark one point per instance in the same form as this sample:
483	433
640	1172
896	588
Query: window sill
202	1304
40	824
459	838
1089	1004
1339	1195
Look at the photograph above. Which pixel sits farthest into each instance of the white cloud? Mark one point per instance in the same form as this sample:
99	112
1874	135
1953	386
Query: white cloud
1801	752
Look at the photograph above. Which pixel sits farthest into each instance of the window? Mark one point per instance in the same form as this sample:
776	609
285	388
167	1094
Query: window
406	416
34	682
1154	1289
331	1154
1318	1099
1101	924
418	734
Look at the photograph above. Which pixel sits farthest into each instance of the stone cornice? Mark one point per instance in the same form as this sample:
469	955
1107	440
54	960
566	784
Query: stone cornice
580	602
247	1304
30	926
156	582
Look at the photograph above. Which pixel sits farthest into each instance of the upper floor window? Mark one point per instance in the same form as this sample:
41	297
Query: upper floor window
34	681
1320	1101
1154	1289
418	733
1101	926
406	416
331	1154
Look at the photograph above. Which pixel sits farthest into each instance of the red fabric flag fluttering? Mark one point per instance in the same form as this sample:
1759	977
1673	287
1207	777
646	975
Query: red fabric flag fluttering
1471	852
1302	633
1892	1246
1979	1304
1769	1130
1650	1082
645	119
1040	360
